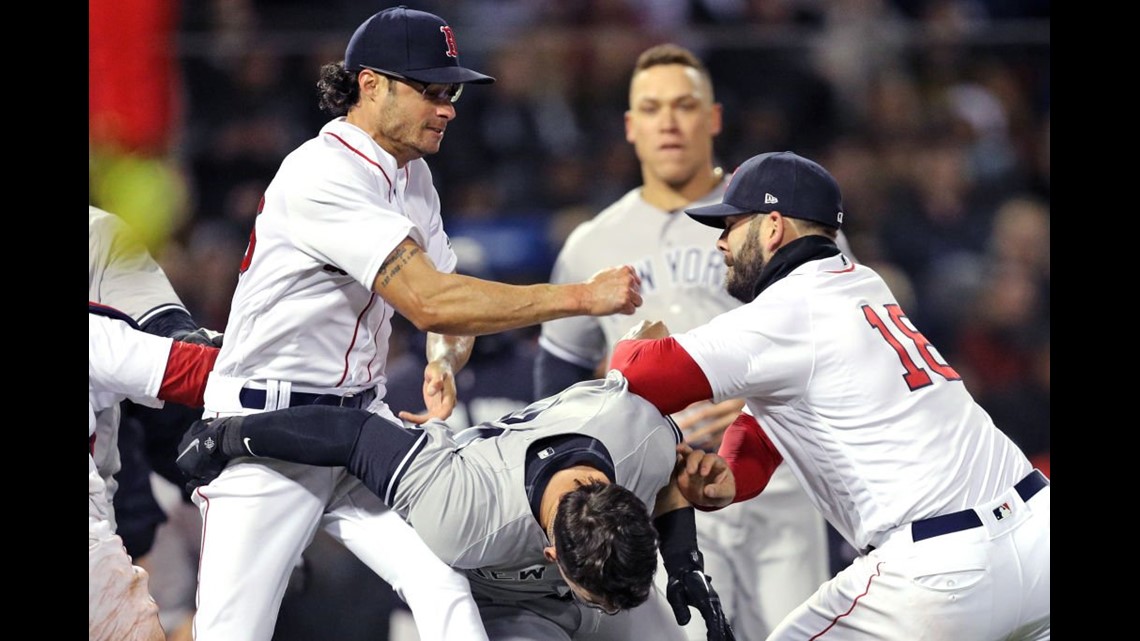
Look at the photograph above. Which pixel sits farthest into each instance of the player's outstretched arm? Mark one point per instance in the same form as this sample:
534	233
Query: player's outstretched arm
444	303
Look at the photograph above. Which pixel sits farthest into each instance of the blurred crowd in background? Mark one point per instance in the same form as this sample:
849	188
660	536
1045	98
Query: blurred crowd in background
932	114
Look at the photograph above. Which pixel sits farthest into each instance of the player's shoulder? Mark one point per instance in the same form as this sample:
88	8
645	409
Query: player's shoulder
604	224
619	211
419	175
101	220
103	315
339	144
95	214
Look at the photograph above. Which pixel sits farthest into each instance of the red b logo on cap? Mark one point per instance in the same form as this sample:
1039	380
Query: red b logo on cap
452	50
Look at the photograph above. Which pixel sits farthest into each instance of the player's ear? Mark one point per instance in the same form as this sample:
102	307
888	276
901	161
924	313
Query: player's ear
629	126
367	81
778	233
550	554
717	117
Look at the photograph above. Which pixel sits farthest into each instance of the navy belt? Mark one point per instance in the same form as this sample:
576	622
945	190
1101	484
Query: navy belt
255	399
967	519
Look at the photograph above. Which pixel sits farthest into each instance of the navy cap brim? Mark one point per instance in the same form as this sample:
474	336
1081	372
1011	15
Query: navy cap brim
448	76
714	215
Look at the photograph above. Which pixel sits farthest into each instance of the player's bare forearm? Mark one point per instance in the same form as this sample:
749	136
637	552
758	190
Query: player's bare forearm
669	498
455	304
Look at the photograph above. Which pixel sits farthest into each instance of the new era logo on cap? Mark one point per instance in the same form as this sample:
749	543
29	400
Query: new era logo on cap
778	181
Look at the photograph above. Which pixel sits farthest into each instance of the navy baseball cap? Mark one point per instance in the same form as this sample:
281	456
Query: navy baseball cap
777	181
415	44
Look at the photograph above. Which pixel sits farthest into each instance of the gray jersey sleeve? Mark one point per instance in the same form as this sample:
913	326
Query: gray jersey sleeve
575	339
122	272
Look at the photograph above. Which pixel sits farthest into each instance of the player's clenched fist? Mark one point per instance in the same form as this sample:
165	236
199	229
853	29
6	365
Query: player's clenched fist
614	290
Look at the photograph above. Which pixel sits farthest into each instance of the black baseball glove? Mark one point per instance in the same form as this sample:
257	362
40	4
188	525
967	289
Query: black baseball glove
688	584
201	336
200	453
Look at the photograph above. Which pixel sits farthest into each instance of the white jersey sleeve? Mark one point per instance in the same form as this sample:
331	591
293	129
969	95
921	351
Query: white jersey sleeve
335	211
124	363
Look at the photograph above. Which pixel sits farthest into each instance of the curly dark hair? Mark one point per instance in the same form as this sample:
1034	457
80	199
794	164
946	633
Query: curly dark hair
606	543
337	89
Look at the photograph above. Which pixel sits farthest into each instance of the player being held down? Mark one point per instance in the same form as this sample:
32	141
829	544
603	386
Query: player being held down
546	508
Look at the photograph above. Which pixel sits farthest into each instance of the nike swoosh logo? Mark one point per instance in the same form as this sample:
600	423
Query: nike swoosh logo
192	446
246	441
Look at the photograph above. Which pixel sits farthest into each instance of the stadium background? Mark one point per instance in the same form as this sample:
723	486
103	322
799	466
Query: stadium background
934	115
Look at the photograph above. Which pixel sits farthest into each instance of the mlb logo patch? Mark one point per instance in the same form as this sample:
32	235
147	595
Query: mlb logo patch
1002	511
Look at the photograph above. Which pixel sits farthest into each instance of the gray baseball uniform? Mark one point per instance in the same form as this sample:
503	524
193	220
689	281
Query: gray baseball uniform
122	272
473	496
444	491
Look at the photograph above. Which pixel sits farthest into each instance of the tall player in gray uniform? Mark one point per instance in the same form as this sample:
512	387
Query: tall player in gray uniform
767	555
546	508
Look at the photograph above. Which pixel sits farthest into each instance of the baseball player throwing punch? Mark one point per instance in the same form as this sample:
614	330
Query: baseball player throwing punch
125	363
546	508
764	556
349	232
951	519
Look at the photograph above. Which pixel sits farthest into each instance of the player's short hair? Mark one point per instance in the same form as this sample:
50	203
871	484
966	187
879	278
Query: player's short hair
672	54
819	229
606	543
338	89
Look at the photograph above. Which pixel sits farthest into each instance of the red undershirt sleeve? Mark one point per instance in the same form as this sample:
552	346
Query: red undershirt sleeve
750	455
187	369
662	372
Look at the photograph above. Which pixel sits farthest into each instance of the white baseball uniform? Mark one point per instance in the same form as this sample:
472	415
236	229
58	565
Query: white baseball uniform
764	556
304	321
123	363
890	446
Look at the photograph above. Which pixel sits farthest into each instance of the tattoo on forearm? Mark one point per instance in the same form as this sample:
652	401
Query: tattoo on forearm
395	262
